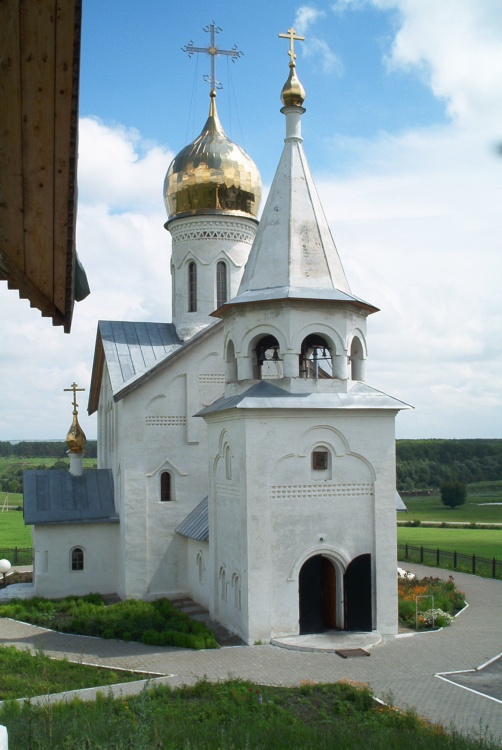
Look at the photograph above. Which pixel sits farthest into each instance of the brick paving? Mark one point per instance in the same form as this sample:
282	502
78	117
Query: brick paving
404	667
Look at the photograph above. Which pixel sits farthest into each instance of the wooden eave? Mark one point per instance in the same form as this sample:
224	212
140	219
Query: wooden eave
39	79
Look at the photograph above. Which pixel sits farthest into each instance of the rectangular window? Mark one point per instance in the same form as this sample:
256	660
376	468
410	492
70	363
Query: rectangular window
319	460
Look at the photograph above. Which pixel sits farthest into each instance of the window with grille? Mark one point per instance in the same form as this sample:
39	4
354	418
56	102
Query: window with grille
192	287
221	283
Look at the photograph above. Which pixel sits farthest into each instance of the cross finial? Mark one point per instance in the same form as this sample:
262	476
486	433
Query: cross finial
213	51
292	36
74	388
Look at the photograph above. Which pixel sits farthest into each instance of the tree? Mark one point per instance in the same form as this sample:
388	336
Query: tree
453	494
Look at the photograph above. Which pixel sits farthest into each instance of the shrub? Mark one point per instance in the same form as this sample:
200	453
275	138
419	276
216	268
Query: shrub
453	494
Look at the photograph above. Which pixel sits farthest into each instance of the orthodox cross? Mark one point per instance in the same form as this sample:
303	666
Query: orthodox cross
74	388
212	51
292	35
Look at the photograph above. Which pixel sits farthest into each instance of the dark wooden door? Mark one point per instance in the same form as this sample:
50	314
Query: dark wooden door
310	594
358	605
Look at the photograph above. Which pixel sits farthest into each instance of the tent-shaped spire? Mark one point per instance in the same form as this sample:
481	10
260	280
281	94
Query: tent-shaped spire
293	255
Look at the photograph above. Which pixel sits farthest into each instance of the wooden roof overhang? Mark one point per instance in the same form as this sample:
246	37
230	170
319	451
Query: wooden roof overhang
39	80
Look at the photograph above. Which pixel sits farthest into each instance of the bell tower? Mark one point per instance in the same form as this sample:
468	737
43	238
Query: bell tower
301	450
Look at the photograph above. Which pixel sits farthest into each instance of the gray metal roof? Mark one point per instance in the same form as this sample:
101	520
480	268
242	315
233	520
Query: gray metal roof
265	395
292	292
133	348
399	502
196	524
55	496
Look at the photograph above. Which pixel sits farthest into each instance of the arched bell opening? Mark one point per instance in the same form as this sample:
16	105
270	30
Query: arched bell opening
316	358
267	360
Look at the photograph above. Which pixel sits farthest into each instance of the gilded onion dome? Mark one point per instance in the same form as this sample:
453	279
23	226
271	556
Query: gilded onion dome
212	174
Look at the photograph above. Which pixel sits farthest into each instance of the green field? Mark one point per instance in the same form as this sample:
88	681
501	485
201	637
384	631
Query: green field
13	532
481	542
430	508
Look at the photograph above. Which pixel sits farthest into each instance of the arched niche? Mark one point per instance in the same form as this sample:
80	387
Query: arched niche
357	357
230	363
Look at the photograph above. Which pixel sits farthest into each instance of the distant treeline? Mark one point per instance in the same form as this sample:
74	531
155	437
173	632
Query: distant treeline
43	449
423	464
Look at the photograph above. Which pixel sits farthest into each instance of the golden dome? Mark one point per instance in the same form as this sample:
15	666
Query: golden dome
212	175
76	440
293	93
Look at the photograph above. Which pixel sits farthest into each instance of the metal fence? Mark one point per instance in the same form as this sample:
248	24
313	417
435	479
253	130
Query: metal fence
478	566
18	555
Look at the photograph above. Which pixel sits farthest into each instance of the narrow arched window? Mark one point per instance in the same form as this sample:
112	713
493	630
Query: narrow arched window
77	558
192	287
221	283
165	487
228	462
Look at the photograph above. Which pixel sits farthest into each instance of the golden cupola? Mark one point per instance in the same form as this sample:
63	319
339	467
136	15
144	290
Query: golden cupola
212	175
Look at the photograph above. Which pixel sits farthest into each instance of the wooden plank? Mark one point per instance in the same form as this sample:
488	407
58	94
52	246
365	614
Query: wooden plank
37	86
11	179
65	136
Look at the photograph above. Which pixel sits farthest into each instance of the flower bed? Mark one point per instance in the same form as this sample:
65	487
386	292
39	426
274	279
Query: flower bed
447	601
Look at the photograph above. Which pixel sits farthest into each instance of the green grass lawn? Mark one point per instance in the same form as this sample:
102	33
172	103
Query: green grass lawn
13	532
481	542
25	675
233	714
430	508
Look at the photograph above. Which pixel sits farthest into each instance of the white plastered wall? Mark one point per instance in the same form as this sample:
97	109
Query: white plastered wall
53	574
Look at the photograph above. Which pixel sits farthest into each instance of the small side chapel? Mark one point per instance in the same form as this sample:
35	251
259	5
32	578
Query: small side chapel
243	459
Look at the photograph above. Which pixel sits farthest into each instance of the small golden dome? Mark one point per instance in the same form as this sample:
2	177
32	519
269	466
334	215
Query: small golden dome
76	439
212	174
293	93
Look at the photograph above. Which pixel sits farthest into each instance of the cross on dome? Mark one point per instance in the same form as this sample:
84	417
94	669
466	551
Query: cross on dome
292	36
74	387
213	51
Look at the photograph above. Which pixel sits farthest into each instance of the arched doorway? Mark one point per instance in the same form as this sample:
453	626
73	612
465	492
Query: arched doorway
357	594
317	595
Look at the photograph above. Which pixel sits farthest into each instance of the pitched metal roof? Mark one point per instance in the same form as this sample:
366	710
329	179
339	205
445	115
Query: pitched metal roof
132	348
129	350
266	395
55	496
134	352
196	524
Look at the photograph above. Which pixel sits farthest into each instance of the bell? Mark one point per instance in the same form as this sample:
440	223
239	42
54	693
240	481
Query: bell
275	356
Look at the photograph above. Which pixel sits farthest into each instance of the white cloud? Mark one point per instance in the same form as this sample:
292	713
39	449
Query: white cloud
454	45
126	254
418	223
307	16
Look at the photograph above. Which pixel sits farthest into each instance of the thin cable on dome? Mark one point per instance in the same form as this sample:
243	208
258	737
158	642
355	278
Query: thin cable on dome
236	104
191	110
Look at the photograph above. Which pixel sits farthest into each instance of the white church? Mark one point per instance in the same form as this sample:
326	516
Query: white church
243	459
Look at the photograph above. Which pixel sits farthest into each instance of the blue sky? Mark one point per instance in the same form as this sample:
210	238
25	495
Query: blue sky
404	107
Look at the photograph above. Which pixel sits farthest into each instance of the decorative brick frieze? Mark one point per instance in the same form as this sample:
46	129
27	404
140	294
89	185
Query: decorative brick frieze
313	491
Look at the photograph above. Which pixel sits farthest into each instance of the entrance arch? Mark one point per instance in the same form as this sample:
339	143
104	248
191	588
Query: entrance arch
317	591
357	594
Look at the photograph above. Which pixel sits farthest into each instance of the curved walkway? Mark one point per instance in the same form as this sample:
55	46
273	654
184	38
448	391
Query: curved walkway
403	669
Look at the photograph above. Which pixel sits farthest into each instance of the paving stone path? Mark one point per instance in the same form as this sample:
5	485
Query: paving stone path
405	667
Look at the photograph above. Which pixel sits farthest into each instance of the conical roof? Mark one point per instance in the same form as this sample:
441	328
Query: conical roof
294	255
212	175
